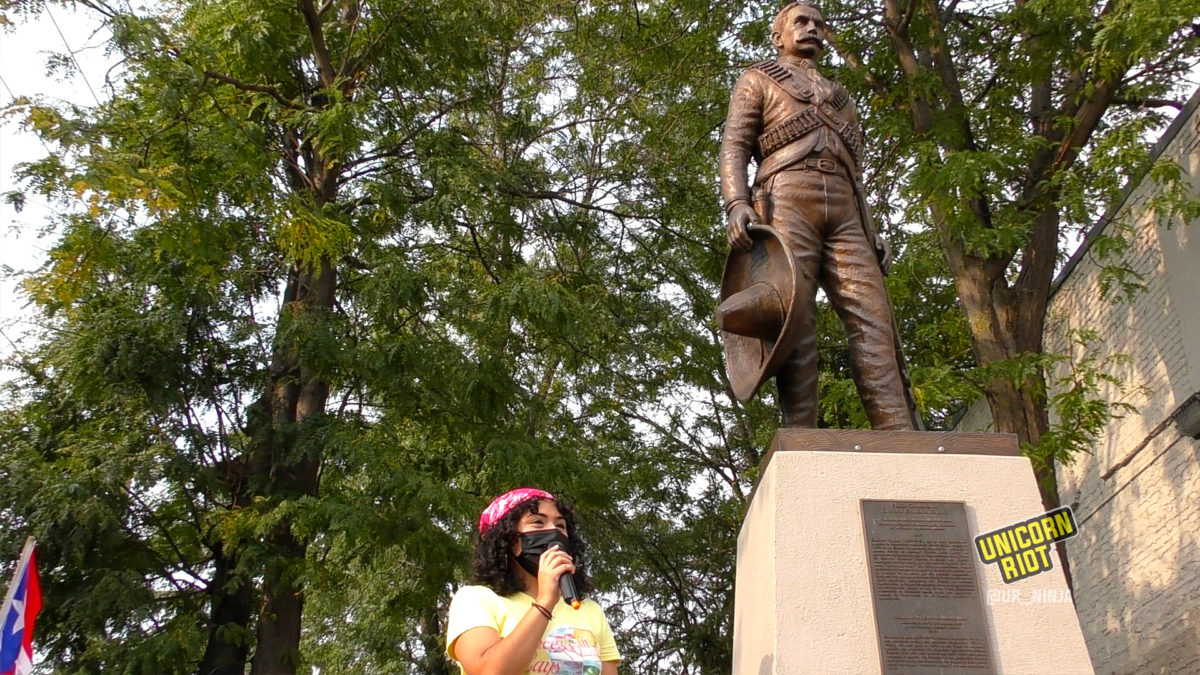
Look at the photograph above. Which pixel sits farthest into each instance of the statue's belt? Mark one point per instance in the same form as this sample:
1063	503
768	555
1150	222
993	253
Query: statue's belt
822	164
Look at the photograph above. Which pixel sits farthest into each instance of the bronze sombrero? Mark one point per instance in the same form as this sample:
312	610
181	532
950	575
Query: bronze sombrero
755	312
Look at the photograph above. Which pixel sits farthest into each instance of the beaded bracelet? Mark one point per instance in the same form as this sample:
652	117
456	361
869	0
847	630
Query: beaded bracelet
545	612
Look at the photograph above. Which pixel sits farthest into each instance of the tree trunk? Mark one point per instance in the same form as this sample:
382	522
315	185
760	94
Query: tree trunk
231	592
1004	325
1005	316
228	633
279	623
434	661
285	467
1007	322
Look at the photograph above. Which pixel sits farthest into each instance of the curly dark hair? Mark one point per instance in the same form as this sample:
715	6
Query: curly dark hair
494	565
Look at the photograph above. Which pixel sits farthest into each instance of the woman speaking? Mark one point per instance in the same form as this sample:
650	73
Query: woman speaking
513	620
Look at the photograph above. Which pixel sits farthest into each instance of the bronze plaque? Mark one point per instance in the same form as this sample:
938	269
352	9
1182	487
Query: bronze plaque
928	609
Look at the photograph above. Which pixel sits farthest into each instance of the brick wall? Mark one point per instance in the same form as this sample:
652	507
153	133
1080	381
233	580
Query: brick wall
1136	560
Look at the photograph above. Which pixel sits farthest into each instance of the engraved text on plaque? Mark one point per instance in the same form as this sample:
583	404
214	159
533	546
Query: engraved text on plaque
928	610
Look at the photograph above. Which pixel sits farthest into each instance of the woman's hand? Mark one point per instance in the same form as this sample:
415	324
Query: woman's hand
552	564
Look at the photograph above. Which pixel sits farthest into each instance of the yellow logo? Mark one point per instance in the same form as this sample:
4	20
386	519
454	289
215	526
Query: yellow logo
1023	550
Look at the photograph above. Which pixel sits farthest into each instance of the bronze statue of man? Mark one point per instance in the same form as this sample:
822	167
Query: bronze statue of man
807	205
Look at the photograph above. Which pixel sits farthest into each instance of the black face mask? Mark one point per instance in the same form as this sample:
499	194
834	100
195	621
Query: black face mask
534	544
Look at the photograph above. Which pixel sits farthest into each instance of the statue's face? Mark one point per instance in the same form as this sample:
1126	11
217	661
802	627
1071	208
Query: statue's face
802	32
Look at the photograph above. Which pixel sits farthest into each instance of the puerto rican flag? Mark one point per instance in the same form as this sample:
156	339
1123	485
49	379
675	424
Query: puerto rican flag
21	606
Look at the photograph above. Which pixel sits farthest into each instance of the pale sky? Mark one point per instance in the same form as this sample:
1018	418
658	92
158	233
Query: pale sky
24	48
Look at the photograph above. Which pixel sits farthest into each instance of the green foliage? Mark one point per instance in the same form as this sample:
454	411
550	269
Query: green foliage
1003	129
516	205
525	256
1088	394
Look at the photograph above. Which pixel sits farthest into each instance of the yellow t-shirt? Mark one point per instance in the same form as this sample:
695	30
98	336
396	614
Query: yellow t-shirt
575	642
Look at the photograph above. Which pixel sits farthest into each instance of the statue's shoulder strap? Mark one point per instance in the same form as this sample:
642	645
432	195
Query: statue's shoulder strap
773	70
783	78
841	97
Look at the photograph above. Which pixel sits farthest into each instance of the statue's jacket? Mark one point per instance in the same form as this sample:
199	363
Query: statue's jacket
780	113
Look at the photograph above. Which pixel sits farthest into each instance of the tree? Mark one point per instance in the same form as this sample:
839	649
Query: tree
382	169
330	276
465	300
1009	126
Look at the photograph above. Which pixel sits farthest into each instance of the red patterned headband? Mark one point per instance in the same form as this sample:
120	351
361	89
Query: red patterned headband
501	505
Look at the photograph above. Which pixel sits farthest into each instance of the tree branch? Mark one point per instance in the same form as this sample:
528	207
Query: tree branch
261	88
558	196
312	19
922	113
908	15
1147	103
856	65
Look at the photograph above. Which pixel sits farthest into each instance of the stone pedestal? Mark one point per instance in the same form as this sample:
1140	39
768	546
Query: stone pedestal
803	597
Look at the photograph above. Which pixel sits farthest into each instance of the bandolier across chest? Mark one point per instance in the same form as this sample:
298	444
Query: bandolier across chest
810	118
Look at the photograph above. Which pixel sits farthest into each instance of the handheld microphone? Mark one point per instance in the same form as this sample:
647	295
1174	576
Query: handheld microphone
566	584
